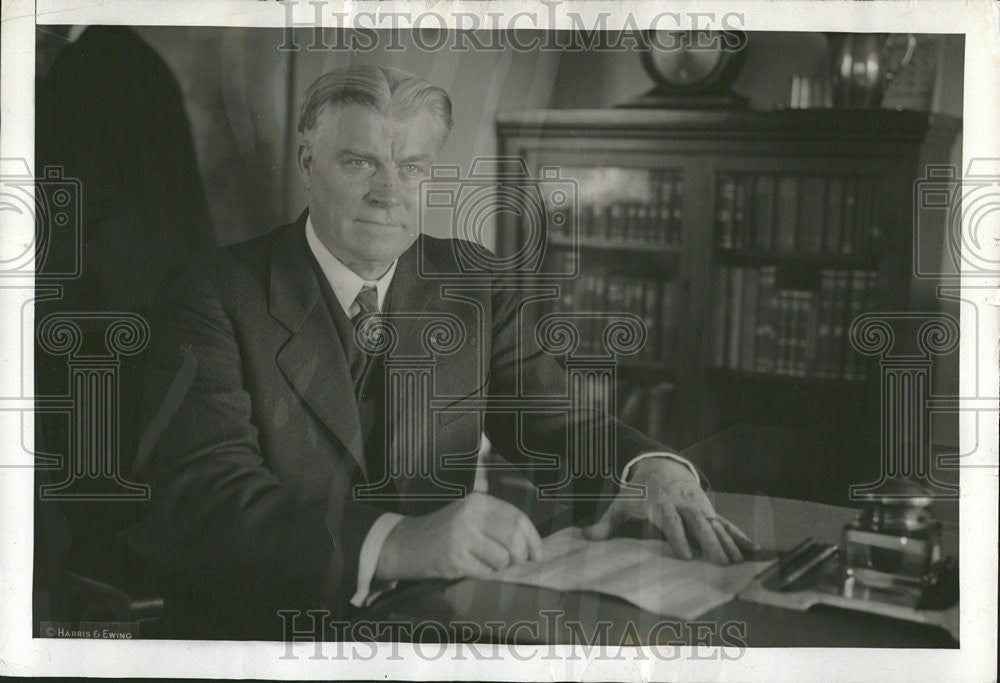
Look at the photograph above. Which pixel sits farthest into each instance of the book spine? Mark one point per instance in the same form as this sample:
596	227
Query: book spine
859	282
840	312
614	223
749	333
725	206
677	212
763	336
555	260
781	332
570	261
786	214
664	212
807	335
633	232
865	222
643	225
628	302
634	304
585	220
720	315
810	223
849	215
794	349
794	332
832	224
763	213
794	314
741	212
736	310
569	294
824	325
588	220
872	304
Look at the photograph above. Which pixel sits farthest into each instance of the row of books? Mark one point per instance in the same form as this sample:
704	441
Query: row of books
810	214
597	290
759	327
629	221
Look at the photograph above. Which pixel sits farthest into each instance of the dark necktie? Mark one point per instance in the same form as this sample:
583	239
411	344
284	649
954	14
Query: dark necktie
367	302
368	377
363	325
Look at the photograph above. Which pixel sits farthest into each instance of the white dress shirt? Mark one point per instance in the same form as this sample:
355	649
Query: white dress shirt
346	285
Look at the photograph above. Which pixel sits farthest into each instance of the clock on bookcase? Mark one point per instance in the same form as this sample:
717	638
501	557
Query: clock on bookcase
692	69
747	242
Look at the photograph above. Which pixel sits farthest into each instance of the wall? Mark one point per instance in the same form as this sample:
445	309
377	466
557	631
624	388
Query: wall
235	86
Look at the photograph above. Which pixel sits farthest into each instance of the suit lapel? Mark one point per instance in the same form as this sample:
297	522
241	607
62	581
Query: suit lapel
416	291
410	293
312	359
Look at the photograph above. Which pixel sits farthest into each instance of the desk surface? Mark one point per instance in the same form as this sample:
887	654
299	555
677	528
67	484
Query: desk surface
774	522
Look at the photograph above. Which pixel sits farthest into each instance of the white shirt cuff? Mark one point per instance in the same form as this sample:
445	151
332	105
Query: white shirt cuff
671	456
368	562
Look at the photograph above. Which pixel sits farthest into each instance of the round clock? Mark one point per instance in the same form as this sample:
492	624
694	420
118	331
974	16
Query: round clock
695	65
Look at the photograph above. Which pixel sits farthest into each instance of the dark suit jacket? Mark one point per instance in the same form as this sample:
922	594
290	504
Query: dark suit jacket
253	440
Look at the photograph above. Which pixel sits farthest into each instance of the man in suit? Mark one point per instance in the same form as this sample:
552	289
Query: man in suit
273	446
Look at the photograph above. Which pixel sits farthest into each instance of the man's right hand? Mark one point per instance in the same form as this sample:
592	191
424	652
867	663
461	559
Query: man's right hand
472	537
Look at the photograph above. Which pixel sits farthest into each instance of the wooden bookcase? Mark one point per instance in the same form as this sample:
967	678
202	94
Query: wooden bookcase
747	242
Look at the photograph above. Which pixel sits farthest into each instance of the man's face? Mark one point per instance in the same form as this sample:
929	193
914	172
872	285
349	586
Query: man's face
362	173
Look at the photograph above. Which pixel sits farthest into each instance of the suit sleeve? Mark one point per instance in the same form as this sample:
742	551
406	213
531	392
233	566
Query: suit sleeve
218	514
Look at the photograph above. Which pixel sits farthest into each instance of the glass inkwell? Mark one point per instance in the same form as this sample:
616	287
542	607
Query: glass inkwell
890	548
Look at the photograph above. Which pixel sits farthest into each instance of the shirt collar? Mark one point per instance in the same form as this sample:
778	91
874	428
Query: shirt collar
345	282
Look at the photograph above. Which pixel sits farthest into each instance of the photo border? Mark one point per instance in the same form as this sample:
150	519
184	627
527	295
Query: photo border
976	659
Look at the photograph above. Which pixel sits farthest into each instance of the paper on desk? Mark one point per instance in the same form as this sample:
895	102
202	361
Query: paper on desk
635	570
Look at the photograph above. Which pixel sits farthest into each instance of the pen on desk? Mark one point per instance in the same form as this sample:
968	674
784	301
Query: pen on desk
817	560
790	557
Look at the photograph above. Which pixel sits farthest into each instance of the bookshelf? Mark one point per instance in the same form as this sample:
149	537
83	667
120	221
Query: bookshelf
746	241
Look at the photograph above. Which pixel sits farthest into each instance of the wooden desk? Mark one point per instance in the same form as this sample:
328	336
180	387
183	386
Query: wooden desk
775	522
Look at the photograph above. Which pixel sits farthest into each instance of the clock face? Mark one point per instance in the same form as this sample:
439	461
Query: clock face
691	61
685	67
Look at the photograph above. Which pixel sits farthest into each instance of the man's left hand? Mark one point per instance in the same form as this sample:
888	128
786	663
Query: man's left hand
675	503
